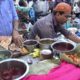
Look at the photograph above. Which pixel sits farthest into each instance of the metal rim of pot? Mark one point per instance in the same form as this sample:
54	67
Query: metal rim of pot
46	39
73	44
36	42
45	43
25	63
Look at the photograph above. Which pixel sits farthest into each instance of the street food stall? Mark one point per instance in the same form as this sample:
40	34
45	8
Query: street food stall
39	55
38	59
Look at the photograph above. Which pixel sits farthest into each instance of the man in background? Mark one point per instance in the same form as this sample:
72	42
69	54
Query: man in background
50	25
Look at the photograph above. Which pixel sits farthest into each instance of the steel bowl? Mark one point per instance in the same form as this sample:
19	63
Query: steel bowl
30	44
13	69
63	47
45	43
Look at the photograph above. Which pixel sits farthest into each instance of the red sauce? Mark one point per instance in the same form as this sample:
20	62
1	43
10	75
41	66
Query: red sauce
62	46
11	74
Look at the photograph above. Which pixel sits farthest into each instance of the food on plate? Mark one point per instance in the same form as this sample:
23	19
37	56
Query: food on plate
22	50
73	58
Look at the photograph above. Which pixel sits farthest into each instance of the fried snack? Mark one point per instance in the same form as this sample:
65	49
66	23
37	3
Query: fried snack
13	47
65	57
24	51
72	58
5	41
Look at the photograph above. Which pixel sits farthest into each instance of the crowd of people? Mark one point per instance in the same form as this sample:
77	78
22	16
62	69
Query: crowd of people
42	19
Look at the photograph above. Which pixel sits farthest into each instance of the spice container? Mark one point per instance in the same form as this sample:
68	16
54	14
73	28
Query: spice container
46	54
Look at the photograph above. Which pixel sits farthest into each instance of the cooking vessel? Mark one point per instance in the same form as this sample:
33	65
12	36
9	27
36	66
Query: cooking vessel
13	69
30	44
63	47
45	43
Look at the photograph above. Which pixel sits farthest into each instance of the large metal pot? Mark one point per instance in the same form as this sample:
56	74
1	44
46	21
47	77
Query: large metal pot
46	43
63	47
13	69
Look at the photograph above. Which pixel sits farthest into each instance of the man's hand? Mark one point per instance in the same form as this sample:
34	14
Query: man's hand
17	38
